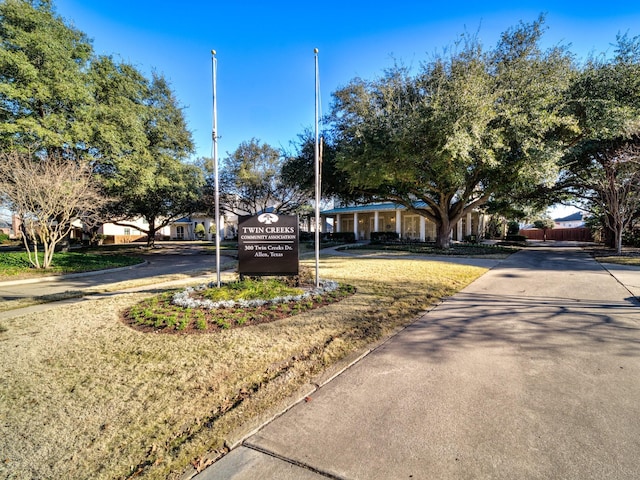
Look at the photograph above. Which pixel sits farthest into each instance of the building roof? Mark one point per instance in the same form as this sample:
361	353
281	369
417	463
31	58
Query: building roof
577	216
370	207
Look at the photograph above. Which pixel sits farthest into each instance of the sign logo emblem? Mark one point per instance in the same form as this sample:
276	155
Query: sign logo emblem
268	218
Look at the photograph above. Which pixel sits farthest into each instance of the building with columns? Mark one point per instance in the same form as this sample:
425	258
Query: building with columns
391	217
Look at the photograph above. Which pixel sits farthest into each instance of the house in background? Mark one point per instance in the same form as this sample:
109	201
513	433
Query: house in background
6	228
116	234
185	228
391	217
575	220
110	233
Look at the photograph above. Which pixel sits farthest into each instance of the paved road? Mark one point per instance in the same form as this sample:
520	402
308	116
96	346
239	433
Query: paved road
170	260
531	372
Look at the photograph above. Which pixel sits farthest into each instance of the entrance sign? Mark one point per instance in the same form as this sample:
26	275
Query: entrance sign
268	244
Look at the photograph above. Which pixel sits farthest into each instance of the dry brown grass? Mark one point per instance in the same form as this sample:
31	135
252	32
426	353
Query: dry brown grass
84	396
620	260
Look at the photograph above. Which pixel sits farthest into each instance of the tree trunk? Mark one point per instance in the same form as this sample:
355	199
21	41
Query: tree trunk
151	234
443	234
619	240
609	234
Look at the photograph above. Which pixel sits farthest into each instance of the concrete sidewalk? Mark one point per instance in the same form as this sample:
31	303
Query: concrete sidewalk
532	371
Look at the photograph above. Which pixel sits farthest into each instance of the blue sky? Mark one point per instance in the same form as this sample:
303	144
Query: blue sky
265	81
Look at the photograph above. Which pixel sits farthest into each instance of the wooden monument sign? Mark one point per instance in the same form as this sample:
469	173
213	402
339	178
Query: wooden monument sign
268	244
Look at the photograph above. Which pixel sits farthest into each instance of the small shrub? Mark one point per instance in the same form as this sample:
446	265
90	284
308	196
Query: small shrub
513	228
381	237
172	320
471	238
307	236
516	238
342	237
199	231
250	289
182	325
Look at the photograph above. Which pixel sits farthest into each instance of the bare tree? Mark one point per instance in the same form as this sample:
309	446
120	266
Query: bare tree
252	182
48	193
618	188
605	178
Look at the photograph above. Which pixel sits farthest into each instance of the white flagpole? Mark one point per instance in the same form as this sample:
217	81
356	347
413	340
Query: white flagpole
214	134
317	176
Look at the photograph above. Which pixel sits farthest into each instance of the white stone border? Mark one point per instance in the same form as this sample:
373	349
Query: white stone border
185	298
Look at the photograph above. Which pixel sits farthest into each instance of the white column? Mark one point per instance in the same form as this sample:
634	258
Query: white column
469	231
376	221
355	225
459	230
338	225
423	229
220	229
399	223
207	225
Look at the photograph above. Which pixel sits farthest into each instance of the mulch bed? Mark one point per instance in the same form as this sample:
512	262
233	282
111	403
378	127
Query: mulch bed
159	315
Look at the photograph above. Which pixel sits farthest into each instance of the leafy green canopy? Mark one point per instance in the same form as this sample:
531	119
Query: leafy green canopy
153	182
470	126
44	99
600	170
252	181
57	97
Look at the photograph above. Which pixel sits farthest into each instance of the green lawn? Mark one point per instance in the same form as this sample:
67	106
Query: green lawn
16	264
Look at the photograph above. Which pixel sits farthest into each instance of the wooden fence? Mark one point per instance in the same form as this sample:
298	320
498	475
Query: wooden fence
563	234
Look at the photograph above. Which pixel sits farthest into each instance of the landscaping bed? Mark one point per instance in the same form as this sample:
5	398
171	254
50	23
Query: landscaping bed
466	250
197	312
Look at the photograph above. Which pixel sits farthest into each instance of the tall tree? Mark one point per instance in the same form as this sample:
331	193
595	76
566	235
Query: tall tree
251	182
604	177
118	128
298	168
153	181
57	98
601	169
44	99
446	141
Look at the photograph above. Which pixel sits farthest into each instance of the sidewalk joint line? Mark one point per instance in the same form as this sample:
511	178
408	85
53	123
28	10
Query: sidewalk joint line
297	463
